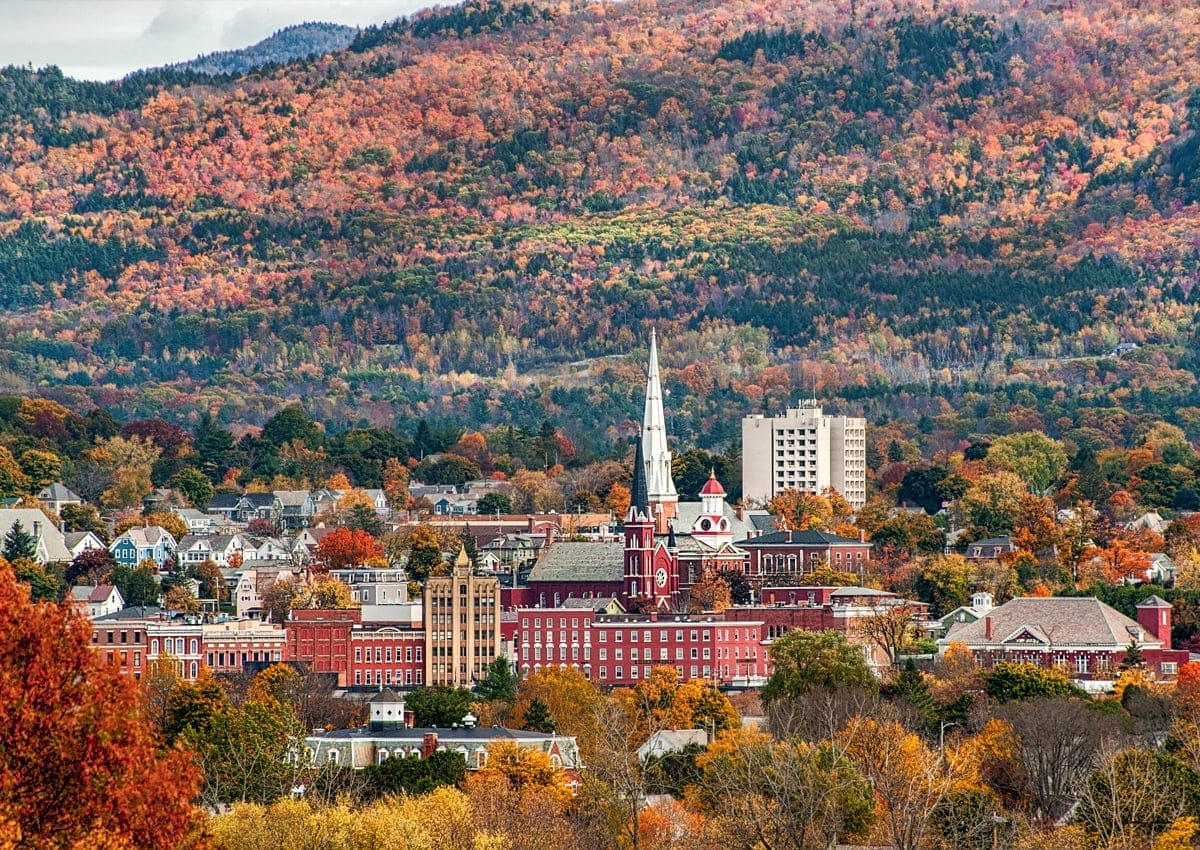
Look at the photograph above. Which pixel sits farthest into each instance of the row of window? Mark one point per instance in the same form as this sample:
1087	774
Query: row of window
383	654
389	677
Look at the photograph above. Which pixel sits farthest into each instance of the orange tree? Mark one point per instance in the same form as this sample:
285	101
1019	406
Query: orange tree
347	547
79	763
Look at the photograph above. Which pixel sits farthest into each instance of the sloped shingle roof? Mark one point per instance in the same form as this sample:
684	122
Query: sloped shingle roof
571	561
1063	621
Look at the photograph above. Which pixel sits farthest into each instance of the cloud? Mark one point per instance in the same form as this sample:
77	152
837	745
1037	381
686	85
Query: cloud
106	39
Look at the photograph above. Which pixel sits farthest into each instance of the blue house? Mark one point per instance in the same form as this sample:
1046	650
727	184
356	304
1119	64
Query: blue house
139	543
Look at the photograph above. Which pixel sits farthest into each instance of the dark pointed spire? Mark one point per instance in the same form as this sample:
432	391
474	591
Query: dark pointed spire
672	544
640	495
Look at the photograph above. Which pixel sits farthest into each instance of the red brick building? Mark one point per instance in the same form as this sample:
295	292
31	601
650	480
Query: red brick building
788	553
1081	635
360	654
621	649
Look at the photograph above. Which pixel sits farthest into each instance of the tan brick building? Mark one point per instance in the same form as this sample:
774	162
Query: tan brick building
462	625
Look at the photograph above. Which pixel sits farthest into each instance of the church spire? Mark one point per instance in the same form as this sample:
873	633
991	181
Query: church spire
639	499
659	483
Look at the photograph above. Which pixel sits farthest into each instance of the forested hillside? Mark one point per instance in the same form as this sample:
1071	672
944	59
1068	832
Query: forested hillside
294	42
941	213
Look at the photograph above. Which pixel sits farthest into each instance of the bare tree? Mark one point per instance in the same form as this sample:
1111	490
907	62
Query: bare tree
821	714
791	795
615	763
1133	796
889	627
1061	742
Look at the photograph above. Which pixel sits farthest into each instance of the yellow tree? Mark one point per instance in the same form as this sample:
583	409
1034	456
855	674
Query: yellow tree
909	779
571	699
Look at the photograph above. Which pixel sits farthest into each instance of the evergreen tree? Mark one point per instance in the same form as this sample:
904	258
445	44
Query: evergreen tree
19	543
910	687
214	445
537	718
468	543
500	682
363	518
1134	660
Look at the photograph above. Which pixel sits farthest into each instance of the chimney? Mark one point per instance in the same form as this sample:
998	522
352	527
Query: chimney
989	627
789	536
429	744
862	536
740	512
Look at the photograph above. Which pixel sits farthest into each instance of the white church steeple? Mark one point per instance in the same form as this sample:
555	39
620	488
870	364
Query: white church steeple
659	483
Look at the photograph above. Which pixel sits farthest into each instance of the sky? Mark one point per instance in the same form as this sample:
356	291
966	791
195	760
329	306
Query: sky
106	39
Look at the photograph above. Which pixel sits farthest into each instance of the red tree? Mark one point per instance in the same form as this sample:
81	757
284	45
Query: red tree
347	547
79	763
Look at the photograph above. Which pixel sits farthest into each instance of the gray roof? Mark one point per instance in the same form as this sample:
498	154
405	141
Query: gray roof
58	492
386	695
799	538
860	591
601	603
52	538
445	735
1059	620
292	498
571	561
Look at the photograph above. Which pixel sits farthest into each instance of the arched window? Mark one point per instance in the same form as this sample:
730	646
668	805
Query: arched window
195	646
195	669
154	647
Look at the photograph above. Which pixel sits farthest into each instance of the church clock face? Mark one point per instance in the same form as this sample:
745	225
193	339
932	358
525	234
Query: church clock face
660	577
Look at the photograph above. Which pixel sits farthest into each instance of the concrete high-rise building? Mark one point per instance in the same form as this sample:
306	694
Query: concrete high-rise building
462	625
804	450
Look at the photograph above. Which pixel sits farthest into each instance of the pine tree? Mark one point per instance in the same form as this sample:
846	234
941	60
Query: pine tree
537	718
19	543
500	682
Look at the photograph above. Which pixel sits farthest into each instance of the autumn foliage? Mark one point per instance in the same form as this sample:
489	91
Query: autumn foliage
79	763
345	547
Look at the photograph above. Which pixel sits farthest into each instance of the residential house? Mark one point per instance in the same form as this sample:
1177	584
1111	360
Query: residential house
297	508
378	500
140	543
666	741
54	497
990	549
252	583
199	522
1161	570
246	507
49	541
455	506
80	541
218	548
267	549
96	601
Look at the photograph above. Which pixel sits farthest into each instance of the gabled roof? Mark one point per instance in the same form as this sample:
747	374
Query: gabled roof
993	541
58	492
146	536
798	538
32	519
292	498
1061	621
386	695
1154	601
571	561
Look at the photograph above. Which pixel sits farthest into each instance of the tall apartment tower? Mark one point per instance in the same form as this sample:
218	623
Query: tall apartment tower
804	450
462	625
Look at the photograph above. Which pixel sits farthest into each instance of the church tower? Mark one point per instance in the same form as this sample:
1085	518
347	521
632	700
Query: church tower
651	568
712	527
660	486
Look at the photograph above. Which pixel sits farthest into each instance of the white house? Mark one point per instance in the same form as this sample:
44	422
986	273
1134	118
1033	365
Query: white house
98	601
50	544
57	495
248	595
80	541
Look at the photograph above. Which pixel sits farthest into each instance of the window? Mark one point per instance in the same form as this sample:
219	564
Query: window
633	671
646	636
358	653
1168	668
603	654
154	647
620	673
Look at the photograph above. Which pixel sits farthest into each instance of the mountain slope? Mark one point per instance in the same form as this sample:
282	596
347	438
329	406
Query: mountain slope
294	42
905	209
